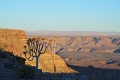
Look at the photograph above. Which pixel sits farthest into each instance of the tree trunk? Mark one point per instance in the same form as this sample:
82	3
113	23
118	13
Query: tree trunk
37	62
37	72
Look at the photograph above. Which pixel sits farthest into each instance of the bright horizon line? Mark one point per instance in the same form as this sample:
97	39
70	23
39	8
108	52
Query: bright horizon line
58	30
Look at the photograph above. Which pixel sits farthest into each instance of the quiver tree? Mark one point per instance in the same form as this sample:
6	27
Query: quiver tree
35	47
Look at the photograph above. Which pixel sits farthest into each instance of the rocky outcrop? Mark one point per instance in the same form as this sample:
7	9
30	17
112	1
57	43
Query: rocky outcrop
13	40
11	33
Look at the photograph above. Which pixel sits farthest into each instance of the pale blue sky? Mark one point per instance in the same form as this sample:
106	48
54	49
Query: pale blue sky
61	15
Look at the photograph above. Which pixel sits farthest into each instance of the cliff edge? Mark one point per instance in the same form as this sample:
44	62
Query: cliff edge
14	40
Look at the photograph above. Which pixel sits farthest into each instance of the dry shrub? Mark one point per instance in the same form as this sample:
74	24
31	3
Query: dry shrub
20	60
3	54
26	72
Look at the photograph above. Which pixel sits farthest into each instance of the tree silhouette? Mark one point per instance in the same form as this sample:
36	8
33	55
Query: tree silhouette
35	47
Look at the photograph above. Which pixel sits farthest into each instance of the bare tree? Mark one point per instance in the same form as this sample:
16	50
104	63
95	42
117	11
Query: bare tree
35	47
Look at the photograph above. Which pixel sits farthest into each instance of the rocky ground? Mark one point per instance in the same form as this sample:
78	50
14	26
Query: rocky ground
10	65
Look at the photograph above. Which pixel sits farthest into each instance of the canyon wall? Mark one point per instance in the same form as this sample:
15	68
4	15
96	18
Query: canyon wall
88	44
14	40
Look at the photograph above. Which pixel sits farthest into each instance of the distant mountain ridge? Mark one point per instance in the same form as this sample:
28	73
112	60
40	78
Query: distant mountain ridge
72	33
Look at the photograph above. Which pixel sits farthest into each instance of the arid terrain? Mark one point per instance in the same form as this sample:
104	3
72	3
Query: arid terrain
98	60
15	40
89	55
101	50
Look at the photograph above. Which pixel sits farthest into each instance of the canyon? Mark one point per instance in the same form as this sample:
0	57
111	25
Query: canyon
76	50
82	41
108	44
98	49
15	40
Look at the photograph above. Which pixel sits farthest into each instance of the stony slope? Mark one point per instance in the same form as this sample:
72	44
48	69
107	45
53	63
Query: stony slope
10	70
9	65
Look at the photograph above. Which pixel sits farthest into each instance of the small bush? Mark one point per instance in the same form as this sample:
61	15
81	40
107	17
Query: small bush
20	60
107	77
27	72
3	54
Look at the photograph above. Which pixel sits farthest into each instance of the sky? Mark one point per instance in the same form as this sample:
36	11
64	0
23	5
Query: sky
61	15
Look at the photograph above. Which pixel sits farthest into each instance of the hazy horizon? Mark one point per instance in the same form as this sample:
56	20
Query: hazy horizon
61	15
59	30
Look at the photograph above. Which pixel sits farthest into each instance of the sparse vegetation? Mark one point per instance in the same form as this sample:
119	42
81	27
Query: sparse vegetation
35	47
20	60
26	72
3	54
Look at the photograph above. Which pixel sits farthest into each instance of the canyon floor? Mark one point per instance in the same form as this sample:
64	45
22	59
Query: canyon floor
98	60
100	66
